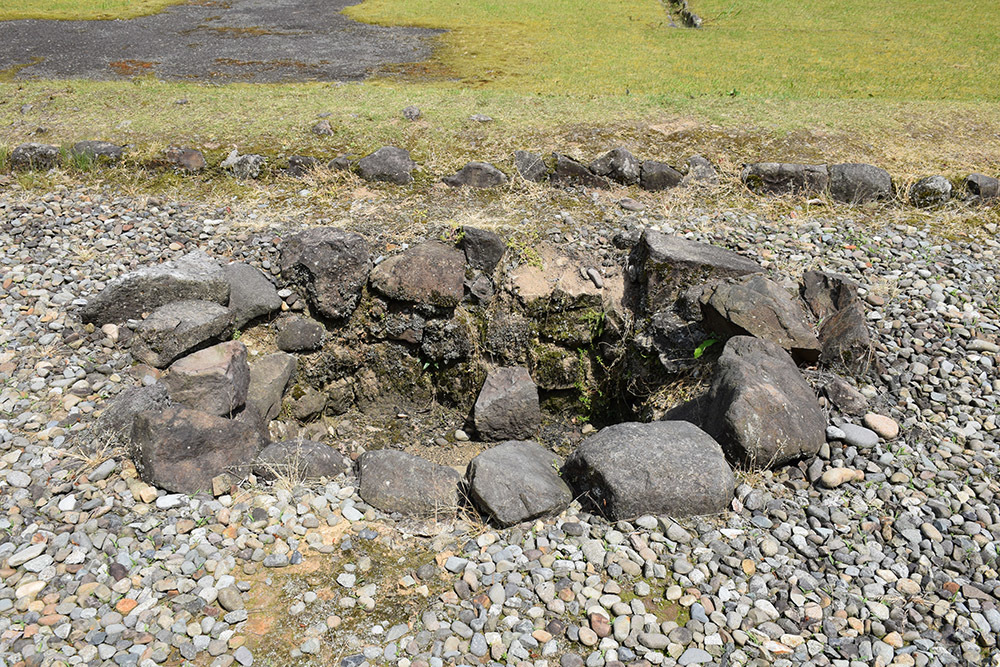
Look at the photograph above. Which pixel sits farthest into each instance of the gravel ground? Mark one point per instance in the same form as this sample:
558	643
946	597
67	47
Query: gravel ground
897	568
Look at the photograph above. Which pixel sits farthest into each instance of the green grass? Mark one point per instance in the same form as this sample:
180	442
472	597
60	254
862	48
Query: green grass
906	85
788	49
80	9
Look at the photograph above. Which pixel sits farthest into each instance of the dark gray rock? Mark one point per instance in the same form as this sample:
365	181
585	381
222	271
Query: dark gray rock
517	481
269	376
845	339
300	165
389	164
662	266
826	293
116	420
322	128
477	175
194	276
331	265
305	403
213	380
298	460
431	273
483	249
507	407
656	176
188	159
300	334
570	172
412	113
781	178
618	165
930	191
345	162
700	172
670	468
178	328
34	156
755	306
395	481
251	294
982	187
845	398
181	450
854	183
98	150
530	166
760	408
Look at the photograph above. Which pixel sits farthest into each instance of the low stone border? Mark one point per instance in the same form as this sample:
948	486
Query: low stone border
850	183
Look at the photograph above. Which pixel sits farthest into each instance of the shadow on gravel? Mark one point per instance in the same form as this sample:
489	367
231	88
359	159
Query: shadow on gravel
220	41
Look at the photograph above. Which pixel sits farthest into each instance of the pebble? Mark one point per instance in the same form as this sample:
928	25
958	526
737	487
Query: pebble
885	427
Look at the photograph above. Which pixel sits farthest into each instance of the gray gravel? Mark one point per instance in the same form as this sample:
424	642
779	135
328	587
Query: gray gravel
897	568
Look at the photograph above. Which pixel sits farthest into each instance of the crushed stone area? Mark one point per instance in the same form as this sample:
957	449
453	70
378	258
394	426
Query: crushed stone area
261	41
894	563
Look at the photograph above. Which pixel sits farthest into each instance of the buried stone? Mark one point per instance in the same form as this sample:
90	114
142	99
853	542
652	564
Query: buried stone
431	273
668	467
395	481
517	481
331	265
181	450
299	459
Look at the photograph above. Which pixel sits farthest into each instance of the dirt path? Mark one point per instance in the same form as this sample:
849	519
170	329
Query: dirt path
212	40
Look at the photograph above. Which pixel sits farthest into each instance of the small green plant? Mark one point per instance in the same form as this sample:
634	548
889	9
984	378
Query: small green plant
237	334
704	345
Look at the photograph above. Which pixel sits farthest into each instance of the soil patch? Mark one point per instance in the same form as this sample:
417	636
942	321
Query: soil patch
239	40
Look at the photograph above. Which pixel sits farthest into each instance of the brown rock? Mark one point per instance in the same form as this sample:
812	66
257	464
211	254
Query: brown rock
431	273
213	380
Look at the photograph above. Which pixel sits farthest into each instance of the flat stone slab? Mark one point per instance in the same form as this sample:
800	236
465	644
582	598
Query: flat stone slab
222	42
213	380
395	481
177	328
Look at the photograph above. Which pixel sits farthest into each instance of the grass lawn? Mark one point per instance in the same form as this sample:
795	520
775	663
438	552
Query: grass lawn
908	85
80	9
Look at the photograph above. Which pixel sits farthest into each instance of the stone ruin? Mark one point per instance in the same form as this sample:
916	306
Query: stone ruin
509	344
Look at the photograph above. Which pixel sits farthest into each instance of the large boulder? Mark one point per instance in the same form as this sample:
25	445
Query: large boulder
755	306
826	293
517	481
618	165
760	408
930	191
178	328
982	187
331	265
656	176
34	156
476	175
570	172
845	338
483	249
662	266
670	468
98	150
116	420
395	481
431	273
194	276
213	380
269	376
251	294
181	450
859	183
780	178
298	460
530	166
389	164
507	407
